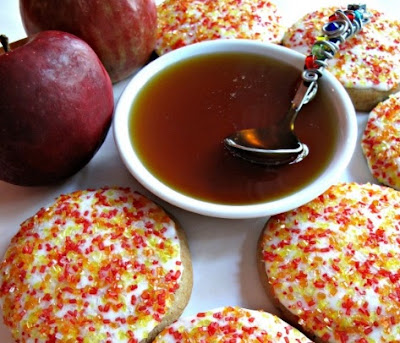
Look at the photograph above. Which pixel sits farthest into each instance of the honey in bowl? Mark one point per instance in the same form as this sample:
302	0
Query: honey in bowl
181	116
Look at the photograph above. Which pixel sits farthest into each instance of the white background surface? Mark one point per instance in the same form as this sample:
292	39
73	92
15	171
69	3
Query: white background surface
223	251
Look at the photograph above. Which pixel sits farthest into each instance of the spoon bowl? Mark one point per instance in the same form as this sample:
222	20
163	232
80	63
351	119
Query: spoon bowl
277	144
279	152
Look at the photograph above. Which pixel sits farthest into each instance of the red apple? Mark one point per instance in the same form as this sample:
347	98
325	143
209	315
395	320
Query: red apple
56	105
121	32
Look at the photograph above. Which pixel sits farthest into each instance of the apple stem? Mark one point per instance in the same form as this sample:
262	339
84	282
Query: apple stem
4	43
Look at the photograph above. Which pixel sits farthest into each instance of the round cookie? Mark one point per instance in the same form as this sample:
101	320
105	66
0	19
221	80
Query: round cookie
184	22
104	265
367	64
380	142
332	265
233	325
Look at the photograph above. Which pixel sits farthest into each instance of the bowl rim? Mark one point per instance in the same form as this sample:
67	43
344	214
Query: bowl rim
341	158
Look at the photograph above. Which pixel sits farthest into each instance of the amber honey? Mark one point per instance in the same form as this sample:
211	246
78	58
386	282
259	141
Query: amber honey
181	117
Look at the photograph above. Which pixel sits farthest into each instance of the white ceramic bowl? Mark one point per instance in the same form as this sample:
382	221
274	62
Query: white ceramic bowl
344	111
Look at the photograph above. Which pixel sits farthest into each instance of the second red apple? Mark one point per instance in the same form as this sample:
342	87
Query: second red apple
121	32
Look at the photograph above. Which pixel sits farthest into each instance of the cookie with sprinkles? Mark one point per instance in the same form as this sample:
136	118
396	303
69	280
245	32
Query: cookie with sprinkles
105	265
332	265
367	64
380	142
184	22
233	325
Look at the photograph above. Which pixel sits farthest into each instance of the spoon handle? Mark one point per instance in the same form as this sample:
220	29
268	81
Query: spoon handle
341	26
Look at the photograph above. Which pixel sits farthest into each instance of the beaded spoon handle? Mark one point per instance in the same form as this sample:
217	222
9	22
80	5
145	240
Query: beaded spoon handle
341	26
278	144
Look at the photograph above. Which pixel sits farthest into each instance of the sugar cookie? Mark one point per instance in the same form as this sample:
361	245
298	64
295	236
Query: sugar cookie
104	265
233	325
381	142
184	22
333	264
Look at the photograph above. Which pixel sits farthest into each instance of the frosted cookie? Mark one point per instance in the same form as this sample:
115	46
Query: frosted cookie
184	22
233	325
367	65
103	265
333	264
381	142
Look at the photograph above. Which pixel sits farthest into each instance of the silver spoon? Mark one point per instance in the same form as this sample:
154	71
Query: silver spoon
278	145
